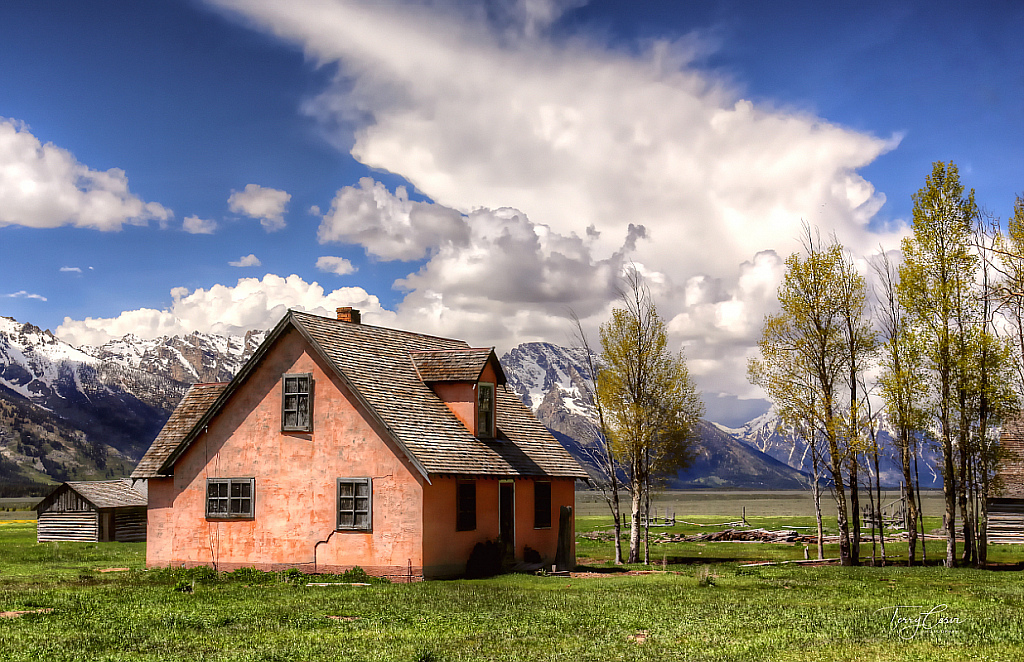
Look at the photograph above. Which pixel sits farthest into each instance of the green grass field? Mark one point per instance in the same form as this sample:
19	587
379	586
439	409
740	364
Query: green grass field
704	606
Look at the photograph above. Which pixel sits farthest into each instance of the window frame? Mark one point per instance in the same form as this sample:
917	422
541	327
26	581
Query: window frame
229	497
368	482
539	521
465	505
308	427
482	433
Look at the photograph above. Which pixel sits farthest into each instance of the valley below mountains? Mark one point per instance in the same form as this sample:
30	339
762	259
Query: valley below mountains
90	412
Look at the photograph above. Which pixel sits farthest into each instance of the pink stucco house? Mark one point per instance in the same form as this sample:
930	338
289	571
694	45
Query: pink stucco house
341	444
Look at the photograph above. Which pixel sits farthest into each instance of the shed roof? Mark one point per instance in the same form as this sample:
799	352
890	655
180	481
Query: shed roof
104	493
379	365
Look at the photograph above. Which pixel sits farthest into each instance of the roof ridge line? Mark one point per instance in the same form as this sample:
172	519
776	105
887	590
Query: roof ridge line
383	328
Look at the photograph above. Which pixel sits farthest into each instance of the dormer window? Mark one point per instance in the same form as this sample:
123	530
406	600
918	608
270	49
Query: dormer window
295	403
485	410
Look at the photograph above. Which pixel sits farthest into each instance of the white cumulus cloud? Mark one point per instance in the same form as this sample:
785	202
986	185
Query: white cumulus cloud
44	186
252	303
266	204
249	260
76	270
335	265
390	227
196	225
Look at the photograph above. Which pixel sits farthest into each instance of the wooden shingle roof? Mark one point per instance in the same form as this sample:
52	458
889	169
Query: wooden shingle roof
455	365
104	493
380	366
198	399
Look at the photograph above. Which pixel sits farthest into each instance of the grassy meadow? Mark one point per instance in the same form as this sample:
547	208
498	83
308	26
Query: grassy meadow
696	602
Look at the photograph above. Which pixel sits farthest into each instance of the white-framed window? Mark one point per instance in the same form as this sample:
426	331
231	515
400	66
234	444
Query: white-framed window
230	498
296	402
485	410
355	504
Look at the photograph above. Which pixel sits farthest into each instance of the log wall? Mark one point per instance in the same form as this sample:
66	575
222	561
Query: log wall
130	525
80	526
1006	521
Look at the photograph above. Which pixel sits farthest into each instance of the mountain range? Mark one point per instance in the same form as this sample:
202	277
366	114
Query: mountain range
91	412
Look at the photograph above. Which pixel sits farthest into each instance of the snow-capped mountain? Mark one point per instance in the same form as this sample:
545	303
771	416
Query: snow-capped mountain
552	381
68	414
86	412
767	435
197	357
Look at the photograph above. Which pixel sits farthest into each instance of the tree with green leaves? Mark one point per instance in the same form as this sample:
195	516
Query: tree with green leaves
805	357
650	403
935	284
904	390
599	445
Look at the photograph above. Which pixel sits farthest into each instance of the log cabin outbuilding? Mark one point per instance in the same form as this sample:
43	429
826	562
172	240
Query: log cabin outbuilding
341	444
93	511
1005	522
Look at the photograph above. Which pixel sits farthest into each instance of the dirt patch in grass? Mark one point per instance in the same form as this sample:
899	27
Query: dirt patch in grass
16	614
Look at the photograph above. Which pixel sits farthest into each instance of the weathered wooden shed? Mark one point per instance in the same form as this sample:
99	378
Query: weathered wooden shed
1006	508
94	511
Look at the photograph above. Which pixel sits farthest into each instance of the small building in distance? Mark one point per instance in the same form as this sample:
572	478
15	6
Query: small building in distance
342	444
93	511
1006	505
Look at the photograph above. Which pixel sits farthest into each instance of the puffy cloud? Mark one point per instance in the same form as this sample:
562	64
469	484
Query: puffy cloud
390	227
249	260
587	141
196	225
266	204
44	186
335	265
76	270
252	303
22	294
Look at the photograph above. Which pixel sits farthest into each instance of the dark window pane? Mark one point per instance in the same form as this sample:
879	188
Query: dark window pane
345	489
346	518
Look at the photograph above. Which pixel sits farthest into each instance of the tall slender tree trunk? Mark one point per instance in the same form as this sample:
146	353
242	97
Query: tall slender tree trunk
920	509
634	526
840	492
816	495
963	483
911	504
855	510
617	517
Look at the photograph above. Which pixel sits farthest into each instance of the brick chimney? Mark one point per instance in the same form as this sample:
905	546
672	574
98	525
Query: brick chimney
348	314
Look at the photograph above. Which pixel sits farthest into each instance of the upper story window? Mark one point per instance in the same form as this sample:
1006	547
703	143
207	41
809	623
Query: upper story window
228	498
296	401
485	410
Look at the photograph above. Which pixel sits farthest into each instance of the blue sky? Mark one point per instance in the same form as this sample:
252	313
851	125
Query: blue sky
476	169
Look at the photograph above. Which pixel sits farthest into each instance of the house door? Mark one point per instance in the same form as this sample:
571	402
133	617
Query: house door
506	517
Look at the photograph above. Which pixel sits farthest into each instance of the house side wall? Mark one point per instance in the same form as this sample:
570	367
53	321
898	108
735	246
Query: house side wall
461	400
295	505
445	550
